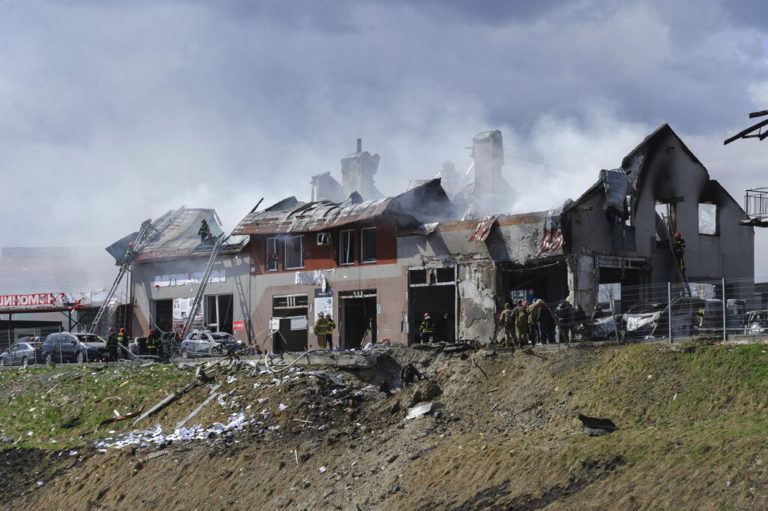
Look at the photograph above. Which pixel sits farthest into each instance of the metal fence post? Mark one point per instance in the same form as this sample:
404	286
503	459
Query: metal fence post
669	310
725	309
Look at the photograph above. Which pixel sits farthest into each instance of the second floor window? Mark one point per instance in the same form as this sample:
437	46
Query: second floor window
272	257
294	252
368	245
347	247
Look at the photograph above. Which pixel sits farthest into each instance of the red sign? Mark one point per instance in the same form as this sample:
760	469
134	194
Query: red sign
31	299
238	325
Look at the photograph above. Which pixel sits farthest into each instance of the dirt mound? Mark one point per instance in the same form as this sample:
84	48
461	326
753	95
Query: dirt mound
499	430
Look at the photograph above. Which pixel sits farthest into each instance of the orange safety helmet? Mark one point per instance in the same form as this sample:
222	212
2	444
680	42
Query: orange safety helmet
526	304
426	315
111	329
677	234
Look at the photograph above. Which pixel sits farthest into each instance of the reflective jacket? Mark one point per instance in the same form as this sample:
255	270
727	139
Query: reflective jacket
321	326
427	326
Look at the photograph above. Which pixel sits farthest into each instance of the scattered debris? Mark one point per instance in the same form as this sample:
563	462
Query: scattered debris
418	411
165	402
409	374
119	418
210	398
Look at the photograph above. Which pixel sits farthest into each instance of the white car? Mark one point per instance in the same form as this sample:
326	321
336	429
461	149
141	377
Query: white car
210	344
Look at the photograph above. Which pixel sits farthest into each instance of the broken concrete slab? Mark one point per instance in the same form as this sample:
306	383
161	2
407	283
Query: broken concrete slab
341	359
418	411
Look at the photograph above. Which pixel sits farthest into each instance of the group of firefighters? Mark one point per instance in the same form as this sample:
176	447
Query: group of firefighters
535	322
117	344
324	327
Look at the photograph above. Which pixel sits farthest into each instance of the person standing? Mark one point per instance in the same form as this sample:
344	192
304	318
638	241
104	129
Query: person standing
321	330
522	322
330	326
546	322
533	323
426	329
153	344
507	322
112	345
122	340
565	319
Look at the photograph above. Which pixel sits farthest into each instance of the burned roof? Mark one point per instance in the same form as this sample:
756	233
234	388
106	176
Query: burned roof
427	202
175	234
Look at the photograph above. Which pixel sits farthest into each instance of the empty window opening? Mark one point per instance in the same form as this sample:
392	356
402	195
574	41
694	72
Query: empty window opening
272	256
368	245
294	252
666	221
707	219
347	247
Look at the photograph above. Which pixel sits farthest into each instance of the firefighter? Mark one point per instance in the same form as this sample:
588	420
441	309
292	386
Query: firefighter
204	230
330	326
321	330
426	329
153	343
128	256
122	340
521	322
507	322
112	345
533	325
679	249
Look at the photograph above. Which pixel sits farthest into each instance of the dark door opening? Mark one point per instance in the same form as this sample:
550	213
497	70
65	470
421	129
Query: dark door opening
357	315
162	317
218	313
440	303
292	312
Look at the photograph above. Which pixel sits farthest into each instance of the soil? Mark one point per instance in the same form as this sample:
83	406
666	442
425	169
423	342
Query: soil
502	433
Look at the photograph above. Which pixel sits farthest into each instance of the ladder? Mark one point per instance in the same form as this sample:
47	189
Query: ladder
139	242
220	239
686	290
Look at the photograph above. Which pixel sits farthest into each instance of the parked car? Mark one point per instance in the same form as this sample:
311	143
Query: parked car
22	353
756	322
74	347
210	344
652	319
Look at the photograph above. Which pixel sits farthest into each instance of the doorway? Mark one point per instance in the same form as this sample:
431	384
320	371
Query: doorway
432	291
357	318
162	315
218	313
291	311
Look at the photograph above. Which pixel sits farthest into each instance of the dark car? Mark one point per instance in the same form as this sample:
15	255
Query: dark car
22	353
210	344
74	347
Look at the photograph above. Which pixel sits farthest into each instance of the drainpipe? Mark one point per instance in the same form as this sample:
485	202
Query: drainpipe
669	310
725	307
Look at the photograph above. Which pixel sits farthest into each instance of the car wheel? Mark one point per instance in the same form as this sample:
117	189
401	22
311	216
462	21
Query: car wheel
216	351
48	358
24	362
80	357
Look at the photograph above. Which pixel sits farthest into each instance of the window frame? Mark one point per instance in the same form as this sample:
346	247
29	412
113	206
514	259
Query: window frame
276	259
349	235
715	219
363	258
287	252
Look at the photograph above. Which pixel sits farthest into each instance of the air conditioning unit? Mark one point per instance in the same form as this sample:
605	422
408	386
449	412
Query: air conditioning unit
324	238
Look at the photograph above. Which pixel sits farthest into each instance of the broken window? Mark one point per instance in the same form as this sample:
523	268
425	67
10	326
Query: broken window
272	257
708	219
666	220
347	247
294	252
628	221
417	277
368	245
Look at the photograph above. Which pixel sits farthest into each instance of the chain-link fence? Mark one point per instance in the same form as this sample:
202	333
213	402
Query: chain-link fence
725	309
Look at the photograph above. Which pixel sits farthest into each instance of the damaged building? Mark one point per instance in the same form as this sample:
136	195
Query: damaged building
378	264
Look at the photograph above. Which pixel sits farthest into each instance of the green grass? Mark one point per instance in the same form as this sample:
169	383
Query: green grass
59	404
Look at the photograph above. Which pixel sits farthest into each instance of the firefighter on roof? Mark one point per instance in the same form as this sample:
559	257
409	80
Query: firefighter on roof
204	230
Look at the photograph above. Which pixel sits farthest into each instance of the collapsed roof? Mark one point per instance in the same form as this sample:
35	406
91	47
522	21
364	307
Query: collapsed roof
175	234
427	202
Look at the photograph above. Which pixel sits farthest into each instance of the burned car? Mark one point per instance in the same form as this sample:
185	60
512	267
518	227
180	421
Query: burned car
756	322
691	316
210	344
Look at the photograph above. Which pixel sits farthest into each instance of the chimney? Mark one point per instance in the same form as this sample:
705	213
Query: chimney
357	171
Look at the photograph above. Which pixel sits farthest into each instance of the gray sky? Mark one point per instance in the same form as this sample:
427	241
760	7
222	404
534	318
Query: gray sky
113	112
